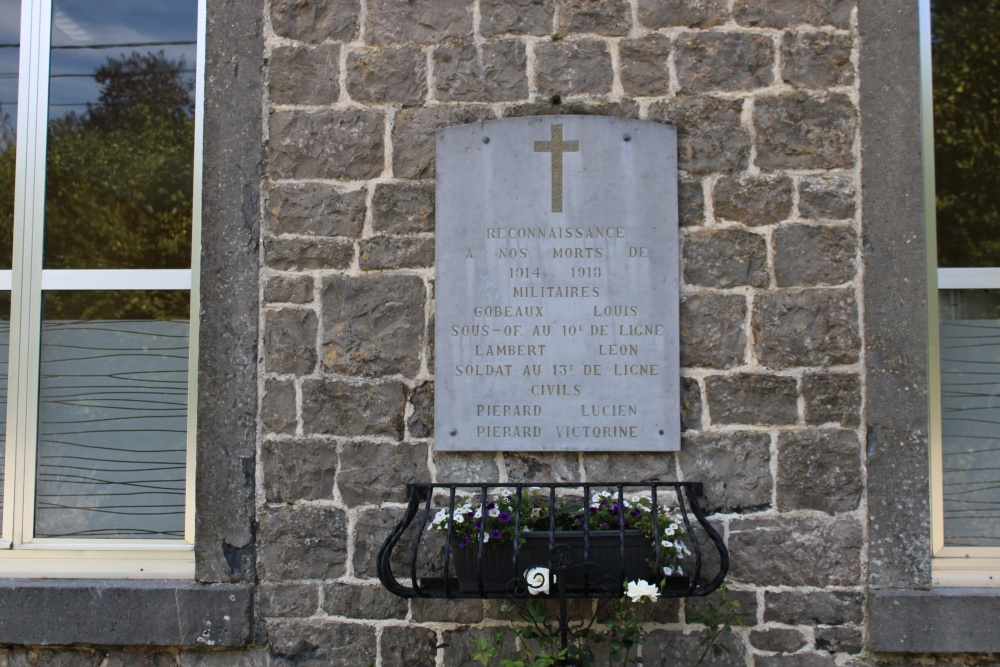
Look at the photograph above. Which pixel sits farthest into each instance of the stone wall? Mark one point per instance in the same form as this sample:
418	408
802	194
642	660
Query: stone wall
765	98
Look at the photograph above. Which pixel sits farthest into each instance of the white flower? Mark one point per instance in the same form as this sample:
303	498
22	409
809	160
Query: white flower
504	493
673	570
486	538
459	518
639	590
494	512
670	530
668	571
439	518
538	580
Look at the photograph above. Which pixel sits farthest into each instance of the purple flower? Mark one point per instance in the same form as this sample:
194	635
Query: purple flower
477	525
503	517
593	510
495	534
602	525
614	509
491	506
635	512
464	543
469	515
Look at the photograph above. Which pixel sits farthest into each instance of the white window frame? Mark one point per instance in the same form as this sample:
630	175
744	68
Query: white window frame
951	566
22	554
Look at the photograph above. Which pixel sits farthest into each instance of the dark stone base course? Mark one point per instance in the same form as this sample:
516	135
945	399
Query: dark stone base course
124	613
942	620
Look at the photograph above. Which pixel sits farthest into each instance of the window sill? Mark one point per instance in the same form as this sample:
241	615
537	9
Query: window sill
124	613
940	620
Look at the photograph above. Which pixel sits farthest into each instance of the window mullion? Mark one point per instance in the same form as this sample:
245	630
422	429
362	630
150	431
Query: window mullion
26	292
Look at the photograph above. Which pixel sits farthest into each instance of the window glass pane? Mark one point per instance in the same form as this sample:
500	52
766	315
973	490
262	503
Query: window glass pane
966	69
112	418
121	134
10	25
970	409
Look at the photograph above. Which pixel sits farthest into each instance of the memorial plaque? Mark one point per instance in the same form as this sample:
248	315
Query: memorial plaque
557	286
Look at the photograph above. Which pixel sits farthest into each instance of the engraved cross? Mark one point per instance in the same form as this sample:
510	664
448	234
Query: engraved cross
557	147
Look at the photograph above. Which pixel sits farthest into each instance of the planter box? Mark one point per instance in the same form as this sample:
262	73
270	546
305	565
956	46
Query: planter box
601	573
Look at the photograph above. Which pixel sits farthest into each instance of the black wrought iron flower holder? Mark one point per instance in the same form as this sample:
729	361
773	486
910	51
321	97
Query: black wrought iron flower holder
574	564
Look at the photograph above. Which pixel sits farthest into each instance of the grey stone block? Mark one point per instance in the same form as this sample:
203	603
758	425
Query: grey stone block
315	20
396	252
734	467
408	647
371	473
354	601
123	613
244	658
840	640
285	288
287	599
343	144
644	69
713	330
370	532
373	325
468	72
814	608
278	412
315	209
799	131
336	407
806	328
321	643
573	68
787	550
691	202
766	400
724	61
396	75
746	601
601	17
723	258
447	611
290	341
418	21
690	404
518	17
302	75
298	470
788	13
816	59
819	469
778	640
797	660
710	134
832	398
421	421
413	136
403	208
455	467
753	200
665	647
302	542
296	253
634	467
656	14
542	467
826	198
814	255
